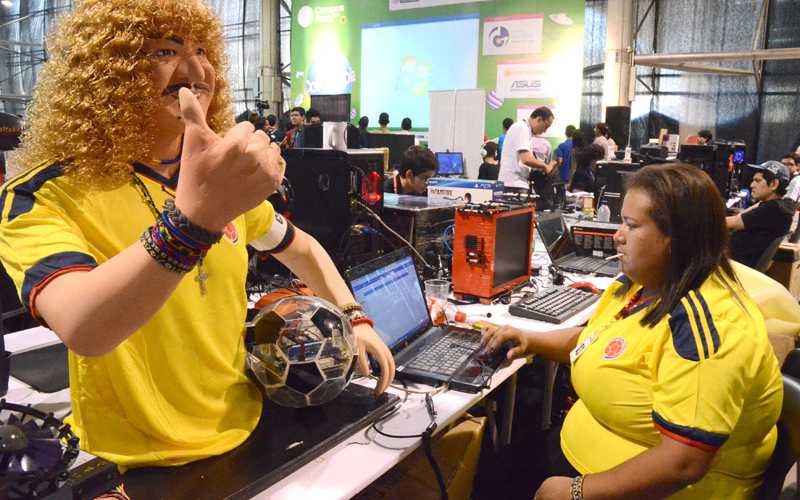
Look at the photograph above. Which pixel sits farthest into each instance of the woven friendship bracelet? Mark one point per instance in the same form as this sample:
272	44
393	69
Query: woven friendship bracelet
188	229
169	250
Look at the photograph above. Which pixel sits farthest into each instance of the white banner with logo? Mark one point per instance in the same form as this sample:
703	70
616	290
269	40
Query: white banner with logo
513	34
421	4
523	80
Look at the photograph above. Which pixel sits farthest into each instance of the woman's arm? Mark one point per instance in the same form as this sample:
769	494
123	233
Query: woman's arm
555	345
310	262
657	473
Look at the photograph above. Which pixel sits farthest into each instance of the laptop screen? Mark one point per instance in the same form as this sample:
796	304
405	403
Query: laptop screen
392	297
553	233
450	163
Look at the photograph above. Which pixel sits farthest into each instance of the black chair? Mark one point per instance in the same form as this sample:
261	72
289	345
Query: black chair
787	450
769	253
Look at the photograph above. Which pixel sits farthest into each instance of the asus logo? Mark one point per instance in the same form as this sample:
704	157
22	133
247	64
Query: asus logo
526	84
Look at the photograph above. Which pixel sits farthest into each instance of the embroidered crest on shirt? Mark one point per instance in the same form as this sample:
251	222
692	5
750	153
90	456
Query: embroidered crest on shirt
231	234
615	348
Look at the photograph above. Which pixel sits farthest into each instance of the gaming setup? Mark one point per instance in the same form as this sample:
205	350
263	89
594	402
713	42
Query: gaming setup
337	197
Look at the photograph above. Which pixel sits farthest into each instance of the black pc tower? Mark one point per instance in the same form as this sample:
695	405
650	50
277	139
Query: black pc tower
610	185
713	159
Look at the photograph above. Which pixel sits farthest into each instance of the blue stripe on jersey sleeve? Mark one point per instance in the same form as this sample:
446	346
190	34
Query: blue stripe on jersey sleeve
710	321
682	336
49	265
697	322
24	192
711	439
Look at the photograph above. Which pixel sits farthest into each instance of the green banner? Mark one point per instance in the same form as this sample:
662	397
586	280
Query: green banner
389	53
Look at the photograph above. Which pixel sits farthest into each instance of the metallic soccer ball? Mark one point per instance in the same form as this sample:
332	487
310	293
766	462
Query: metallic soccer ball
304	351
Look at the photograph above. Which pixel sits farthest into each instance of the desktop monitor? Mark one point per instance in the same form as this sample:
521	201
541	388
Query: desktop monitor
450	163
332	108
395	143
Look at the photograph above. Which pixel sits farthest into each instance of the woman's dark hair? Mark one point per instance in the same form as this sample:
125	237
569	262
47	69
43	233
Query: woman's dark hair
363	122
272	120
686	206
705	134
491	149
406	123
602	129
383	119
577	139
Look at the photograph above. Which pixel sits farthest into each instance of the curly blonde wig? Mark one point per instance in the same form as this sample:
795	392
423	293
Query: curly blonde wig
94	100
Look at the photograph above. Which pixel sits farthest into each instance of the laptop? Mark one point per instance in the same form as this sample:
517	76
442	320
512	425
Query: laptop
562	250
390	292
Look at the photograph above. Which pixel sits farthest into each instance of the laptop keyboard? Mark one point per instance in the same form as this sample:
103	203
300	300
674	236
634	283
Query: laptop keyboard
447	354
553	304
586	264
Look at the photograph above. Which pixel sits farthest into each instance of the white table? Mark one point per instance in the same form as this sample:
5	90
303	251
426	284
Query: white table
352	465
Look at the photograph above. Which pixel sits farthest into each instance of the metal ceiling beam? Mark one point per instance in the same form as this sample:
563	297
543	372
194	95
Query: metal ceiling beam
702	68
749	55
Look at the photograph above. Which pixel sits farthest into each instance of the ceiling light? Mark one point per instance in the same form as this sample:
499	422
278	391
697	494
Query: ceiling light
7	3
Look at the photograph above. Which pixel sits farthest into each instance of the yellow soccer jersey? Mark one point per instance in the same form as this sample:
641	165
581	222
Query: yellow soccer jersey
705	375
176	390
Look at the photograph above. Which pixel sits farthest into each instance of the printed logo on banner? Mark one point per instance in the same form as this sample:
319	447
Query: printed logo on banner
513	34
522	80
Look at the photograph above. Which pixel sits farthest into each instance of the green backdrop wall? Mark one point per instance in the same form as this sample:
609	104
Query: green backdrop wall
529	52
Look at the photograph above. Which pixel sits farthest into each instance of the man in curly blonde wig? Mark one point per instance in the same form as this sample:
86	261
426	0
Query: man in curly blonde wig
100	231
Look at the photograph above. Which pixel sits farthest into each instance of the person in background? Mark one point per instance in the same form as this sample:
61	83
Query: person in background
584	156
507	122
271	128
383	122
564	153
490	168
704	137
526	156
363	133
602	137
313	117
130	245
678	383
294	136
758	226
405	126
416	167
792	162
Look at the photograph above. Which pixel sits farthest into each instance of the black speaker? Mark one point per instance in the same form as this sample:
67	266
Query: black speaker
618	119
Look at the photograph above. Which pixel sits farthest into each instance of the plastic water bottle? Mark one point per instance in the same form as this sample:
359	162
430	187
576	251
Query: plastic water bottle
544	276
627	158
603	212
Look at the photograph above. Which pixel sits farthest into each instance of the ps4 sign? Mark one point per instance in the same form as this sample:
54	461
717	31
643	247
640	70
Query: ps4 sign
520	34
522	80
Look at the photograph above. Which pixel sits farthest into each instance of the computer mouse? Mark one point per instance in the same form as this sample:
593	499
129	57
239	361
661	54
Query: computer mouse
586	287
495	357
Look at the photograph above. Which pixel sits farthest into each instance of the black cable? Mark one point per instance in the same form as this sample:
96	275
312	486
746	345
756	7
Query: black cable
426	437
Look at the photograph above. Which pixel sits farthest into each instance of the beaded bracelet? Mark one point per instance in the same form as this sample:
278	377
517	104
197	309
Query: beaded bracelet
188	228
169	250
576	488
352	306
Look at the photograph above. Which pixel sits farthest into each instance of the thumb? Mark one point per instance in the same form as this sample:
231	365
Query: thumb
197	134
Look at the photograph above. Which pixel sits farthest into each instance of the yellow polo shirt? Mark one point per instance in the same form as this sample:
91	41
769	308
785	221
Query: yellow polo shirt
705	375
176	390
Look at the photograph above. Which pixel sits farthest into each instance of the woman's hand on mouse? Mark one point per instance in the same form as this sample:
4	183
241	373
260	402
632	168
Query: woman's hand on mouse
495	336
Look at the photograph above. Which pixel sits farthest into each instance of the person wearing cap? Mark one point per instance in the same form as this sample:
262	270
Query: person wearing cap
755	228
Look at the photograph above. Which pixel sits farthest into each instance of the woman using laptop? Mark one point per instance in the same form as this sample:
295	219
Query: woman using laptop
679	387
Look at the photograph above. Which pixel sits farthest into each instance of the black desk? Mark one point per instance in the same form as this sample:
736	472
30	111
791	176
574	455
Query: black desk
266	456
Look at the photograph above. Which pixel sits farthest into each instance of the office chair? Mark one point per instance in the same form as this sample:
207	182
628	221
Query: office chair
769	253
787	449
